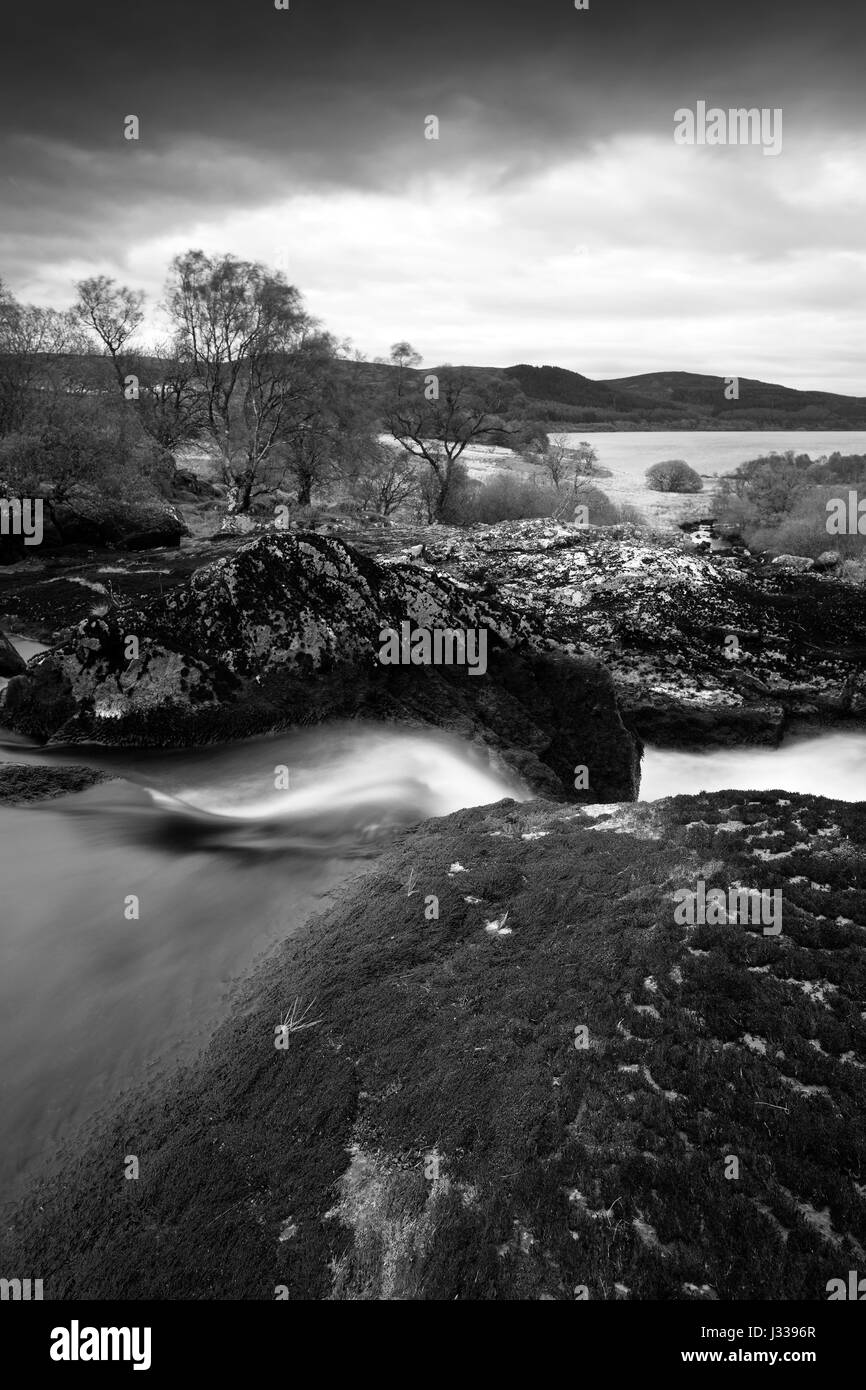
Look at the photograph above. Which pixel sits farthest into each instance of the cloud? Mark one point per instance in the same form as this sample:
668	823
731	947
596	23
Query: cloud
554	219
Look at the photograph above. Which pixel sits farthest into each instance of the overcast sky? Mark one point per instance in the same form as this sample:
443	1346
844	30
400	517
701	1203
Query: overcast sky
554	221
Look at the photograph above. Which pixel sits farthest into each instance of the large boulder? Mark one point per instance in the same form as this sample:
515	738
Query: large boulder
140	525
286	630
98	522
185	482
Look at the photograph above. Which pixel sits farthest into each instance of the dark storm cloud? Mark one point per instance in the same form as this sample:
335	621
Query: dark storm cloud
239	102
335	89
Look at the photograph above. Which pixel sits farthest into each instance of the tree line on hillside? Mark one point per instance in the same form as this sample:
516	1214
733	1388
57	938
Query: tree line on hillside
283	408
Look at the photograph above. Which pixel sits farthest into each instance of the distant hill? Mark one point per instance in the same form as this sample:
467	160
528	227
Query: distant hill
681	400
555	396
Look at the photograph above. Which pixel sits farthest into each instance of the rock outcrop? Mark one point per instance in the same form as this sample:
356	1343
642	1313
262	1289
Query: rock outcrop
549	1090
701	648
286	630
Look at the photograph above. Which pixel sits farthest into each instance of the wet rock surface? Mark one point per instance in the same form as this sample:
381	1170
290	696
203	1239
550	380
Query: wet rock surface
536	1093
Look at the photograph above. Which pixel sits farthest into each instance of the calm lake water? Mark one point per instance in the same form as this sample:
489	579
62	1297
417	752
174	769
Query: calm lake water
628	455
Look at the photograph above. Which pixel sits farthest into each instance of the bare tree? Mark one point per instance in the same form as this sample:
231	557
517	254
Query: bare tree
385	477
161	385
35	348
318	429
404	355
567	468
435	417
171	404
114	313
244	328
585	459
557	460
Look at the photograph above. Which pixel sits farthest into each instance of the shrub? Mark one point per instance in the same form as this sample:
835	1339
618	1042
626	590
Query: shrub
673	475
506	498
602	511
509	497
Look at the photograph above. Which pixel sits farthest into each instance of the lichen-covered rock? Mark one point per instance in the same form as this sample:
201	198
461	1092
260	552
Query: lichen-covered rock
702	648
286	630
551	1087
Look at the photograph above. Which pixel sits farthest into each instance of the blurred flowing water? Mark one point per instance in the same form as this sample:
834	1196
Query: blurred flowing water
225	860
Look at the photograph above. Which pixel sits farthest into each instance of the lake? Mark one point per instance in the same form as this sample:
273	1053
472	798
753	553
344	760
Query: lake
628	454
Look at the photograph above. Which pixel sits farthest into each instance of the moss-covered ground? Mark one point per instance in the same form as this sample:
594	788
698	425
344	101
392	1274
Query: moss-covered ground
442	1131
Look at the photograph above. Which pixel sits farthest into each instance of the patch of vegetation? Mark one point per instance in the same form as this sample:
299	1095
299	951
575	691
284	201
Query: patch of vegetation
779	503
673	475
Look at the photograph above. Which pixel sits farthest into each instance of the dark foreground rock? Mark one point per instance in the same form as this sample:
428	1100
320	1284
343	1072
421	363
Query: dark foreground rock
439	1131
285	631
22	782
